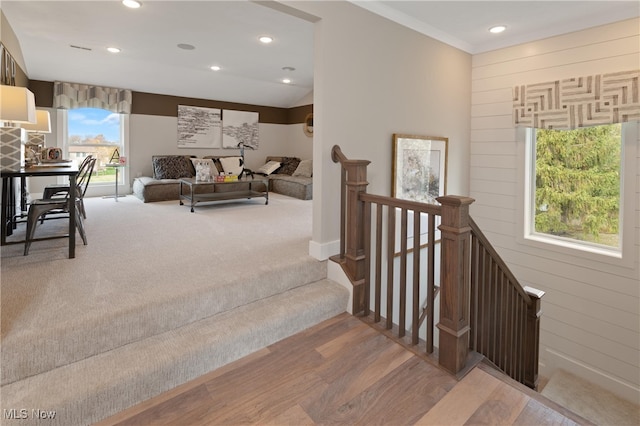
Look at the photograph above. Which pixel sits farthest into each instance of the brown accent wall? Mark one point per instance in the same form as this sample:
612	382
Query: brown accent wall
166	105
43	91
298	114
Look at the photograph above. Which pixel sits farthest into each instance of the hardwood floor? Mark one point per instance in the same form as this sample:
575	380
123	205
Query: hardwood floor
342	371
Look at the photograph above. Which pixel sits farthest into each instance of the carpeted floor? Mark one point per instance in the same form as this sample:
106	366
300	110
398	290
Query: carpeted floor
141	254
590	401
149	269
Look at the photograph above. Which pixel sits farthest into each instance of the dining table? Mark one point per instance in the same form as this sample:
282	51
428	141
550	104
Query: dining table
12	210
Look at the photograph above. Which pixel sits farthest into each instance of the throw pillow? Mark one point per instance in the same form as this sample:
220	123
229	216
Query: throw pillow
289	165
216	162
205	168
305	169
173	167
268	168
232	165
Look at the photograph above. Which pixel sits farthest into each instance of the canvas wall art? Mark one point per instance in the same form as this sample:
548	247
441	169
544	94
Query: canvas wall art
240	127
199	127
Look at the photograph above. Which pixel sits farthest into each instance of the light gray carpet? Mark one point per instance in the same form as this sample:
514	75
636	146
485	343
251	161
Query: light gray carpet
149	270
590	400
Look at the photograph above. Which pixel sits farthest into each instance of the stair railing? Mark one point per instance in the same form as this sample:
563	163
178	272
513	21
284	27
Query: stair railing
505	317
396	262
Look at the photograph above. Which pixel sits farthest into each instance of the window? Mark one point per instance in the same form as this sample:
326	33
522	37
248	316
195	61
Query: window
97	132
575	187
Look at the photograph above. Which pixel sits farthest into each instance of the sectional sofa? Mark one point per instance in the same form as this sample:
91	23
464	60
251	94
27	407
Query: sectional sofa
164	185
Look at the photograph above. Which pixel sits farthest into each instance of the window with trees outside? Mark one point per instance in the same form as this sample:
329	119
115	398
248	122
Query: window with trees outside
575	185
97	132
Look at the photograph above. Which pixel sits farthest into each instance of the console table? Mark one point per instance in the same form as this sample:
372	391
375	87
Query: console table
201	191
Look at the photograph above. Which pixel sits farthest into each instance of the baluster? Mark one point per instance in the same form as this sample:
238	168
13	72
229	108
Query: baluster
431	271
378	296
402	315
415	317
391	235
367	259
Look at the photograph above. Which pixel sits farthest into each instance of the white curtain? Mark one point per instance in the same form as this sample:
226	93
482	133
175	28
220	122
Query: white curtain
578	102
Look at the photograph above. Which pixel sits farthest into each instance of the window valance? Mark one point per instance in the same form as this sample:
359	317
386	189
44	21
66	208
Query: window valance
578	102
74	95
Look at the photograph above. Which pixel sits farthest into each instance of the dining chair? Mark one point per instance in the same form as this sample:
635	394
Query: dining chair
50	191
82	183
41	207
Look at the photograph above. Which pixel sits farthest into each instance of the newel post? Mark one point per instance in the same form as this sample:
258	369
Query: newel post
352	235
532	338
454	282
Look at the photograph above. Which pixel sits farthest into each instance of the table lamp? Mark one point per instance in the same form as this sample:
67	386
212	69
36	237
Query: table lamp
17	106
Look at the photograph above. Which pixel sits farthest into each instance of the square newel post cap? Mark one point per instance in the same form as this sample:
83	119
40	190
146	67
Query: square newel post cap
455	200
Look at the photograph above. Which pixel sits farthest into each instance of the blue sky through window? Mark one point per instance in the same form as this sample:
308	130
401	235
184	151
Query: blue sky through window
90	122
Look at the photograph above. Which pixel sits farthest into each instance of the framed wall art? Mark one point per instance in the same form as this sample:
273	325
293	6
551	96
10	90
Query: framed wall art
240	127
419	168
199	127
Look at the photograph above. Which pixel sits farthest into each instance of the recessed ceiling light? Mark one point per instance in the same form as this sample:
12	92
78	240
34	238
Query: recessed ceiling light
497	29
186	46
133	4
113	49
265	39
286	81
215	68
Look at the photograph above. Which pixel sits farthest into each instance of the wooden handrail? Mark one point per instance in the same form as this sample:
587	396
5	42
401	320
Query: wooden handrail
483	308
433	209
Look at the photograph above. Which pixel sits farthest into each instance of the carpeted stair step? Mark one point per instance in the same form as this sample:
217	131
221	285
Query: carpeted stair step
94	388
590	401
97	326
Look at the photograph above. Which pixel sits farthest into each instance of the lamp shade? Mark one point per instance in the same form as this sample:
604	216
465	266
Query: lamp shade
42	125
17	104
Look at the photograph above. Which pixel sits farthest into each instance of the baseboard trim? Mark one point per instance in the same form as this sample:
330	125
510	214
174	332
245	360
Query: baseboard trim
322	251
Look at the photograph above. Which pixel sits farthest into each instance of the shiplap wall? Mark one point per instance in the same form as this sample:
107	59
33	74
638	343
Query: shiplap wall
591	310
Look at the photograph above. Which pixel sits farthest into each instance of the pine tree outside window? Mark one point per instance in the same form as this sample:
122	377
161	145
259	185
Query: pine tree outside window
578	184
575	186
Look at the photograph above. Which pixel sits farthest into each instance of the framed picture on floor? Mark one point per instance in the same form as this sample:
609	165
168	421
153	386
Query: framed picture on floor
419	168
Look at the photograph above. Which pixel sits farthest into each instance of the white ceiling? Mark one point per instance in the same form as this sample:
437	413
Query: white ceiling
225	33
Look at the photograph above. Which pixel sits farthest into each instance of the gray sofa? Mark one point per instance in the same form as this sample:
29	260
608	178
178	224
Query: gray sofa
157	188
160	188
285	182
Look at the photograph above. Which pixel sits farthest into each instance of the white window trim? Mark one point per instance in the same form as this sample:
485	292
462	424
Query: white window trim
101	189
566	249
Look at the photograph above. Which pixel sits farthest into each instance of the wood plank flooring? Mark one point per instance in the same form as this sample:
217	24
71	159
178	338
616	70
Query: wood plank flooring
344	372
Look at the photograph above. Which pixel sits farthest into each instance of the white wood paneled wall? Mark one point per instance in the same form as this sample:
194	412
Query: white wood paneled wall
591	310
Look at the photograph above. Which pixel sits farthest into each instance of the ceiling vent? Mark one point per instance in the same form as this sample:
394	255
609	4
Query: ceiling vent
80	47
